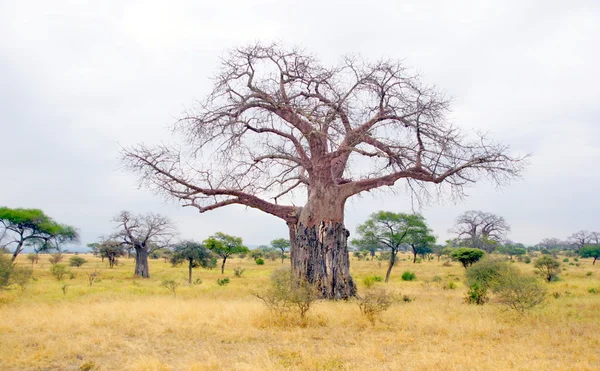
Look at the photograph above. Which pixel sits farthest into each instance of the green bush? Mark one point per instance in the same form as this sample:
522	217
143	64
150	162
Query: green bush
548	267
369	281
260	261
5	270
409	276
21	276
593	290
477	294
238	271
519	292
565	260
223	281
527	260
436	278
77	261
59	271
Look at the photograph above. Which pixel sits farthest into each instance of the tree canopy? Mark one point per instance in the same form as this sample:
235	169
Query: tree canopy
225	245
279	123
32	226
392	230
194	253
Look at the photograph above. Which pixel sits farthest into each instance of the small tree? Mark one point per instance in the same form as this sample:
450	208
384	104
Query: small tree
590	251
92	277
77	261
548	267
170	285
33	258
281	244
467	256
284	294
195	254
519	292
112	250
225	246
392	230
6	267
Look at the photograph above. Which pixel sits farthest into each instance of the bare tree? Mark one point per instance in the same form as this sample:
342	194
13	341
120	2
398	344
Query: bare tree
279	124
580	238
481	230
145	233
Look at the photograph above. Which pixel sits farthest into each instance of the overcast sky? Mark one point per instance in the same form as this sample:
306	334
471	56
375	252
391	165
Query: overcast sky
79	80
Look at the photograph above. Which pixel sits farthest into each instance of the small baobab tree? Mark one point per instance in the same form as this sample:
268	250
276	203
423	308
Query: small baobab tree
279	124
144	233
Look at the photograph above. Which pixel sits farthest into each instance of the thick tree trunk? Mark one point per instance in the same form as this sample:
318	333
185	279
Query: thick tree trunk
141	263
319	255
190	266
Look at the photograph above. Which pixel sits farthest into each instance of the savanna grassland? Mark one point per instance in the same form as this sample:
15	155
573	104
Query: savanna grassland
123	323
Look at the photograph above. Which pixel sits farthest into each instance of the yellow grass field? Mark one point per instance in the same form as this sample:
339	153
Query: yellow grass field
122	323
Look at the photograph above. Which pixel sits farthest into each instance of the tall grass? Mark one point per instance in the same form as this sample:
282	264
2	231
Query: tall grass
134	324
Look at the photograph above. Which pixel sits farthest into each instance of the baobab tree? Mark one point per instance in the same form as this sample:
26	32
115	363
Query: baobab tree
144	233
278	123
481	230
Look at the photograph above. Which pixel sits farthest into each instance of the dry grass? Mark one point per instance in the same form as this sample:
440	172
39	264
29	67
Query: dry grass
132	324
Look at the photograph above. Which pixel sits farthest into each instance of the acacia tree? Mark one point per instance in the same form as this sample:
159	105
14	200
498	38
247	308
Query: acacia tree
392	230
590	251
282	244
278	123
31	226
481	230
143	233
225	245
195	254
111	250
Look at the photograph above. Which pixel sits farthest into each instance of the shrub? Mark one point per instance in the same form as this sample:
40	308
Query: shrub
170	285
374	302
477	294
260	261
408	299
519	292
21	276
92	277
548	267
576	259
284	294
487	271
527	260
593	290
238	271
589	273
5	270
408	276
369	281
33	258
77	261
223	281
436	278
197	281
565	260
59	271
450	285
56	258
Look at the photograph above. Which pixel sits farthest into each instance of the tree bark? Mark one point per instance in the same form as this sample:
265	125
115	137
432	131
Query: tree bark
191	262
223	265
141	263
17	251
319	256
390	266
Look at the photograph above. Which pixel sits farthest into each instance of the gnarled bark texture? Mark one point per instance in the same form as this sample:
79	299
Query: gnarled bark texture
319	255
141	262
